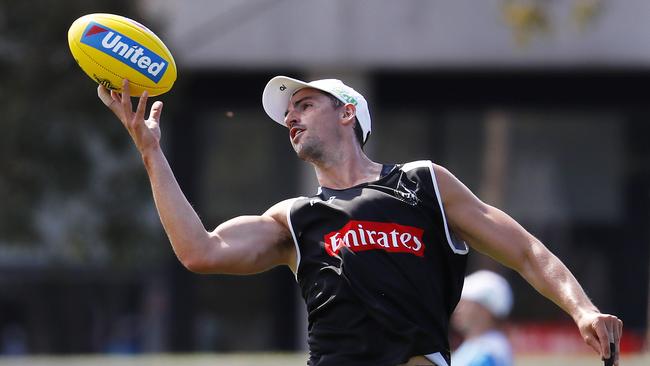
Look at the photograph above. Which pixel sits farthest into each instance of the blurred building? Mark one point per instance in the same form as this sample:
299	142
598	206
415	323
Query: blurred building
533	104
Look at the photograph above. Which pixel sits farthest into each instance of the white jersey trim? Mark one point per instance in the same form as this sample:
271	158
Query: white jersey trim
293	235
457	246
437	359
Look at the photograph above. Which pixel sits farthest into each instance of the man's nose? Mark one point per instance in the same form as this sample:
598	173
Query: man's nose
291	119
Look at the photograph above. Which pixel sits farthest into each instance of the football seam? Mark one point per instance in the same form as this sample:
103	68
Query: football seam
119	76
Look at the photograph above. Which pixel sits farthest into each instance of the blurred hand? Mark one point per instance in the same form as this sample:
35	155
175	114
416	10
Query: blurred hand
598	330
145	133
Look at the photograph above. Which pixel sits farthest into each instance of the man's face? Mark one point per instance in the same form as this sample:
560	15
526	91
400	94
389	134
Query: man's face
312	120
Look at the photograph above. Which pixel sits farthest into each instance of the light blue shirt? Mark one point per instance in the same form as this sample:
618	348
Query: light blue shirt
489	349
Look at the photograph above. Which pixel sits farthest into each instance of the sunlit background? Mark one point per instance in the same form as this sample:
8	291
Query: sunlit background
539	106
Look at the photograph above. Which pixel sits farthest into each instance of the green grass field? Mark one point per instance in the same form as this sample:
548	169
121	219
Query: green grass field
268	359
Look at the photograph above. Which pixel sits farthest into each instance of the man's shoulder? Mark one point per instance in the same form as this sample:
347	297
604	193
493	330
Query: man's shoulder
282	209
283	206
420	170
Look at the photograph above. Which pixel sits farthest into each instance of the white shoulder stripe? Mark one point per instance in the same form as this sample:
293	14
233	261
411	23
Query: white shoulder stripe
416	164
293	234
458	247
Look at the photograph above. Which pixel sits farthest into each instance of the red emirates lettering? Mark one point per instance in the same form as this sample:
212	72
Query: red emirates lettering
359	236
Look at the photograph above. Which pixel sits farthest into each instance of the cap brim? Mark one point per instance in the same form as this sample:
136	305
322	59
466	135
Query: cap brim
276	96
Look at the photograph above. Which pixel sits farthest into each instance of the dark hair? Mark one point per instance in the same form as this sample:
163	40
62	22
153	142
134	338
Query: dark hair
358	131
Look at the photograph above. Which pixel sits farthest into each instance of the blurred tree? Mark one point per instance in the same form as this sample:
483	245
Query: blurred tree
526	18
531	18
72	189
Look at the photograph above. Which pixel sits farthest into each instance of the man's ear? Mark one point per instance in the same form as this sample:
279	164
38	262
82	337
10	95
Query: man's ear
348	113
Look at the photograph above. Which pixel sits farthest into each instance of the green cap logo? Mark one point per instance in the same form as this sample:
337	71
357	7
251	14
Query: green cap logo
343	94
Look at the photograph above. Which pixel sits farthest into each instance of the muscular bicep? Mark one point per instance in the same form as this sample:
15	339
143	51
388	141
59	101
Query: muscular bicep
484	227
496	234
250	244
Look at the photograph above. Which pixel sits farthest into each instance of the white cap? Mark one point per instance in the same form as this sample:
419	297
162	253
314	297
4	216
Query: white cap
490	290
280	89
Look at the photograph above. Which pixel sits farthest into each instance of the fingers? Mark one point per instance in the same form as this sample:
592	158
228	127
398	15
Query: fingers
614	328
156	111
125	88
618	333
593	343
117	97
609	330
121	105
127	107
142	105
112	100
104	95
603	337
600	331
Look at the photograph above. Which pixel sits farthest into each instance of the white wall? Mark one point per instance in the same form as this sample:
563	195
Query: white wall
396	34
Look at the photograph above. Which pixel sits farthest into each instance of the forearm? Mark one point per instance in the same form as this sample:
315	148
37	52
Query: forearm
496	234
183	226
548	275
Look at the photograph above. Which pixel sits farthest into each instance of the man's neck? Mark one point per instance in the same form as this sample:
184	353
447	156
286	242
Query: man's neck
347	171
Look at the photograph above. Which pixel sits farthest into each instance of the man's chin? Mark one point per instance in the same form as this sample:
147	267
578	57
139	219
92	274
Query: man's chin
308	153
301	155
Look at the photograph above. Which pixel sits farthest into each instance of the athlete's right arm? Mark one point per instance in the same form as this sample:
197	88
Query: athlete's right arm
243	245
246	244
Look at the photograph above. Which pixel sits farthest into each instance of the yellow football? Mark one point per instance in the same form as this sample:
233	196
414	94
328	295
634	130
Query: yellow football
110	48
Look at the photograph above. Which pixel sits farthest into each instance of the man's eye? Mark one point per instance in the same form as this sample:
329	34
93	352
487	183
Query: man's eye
306	105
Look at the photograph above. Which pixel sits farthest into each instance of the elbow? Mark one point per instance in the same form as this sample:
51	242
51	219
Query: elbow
195	265
196	258
201	266
200	263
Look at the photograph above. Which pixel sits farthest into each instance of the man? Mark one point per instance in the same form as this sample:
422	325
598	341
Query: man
379	252
485	302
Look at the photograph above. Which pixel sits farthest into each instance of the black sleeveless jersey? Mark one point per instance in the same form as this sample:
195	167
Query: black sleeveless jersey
379	269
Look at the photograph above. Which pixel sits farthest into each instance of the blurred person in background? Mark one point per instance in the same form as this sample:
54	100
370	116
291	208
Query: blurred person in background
379	252
484	304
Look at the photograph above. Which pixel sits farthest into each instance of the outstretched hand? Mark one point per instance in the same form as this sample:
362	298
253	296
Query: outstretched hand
145	133
599	330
